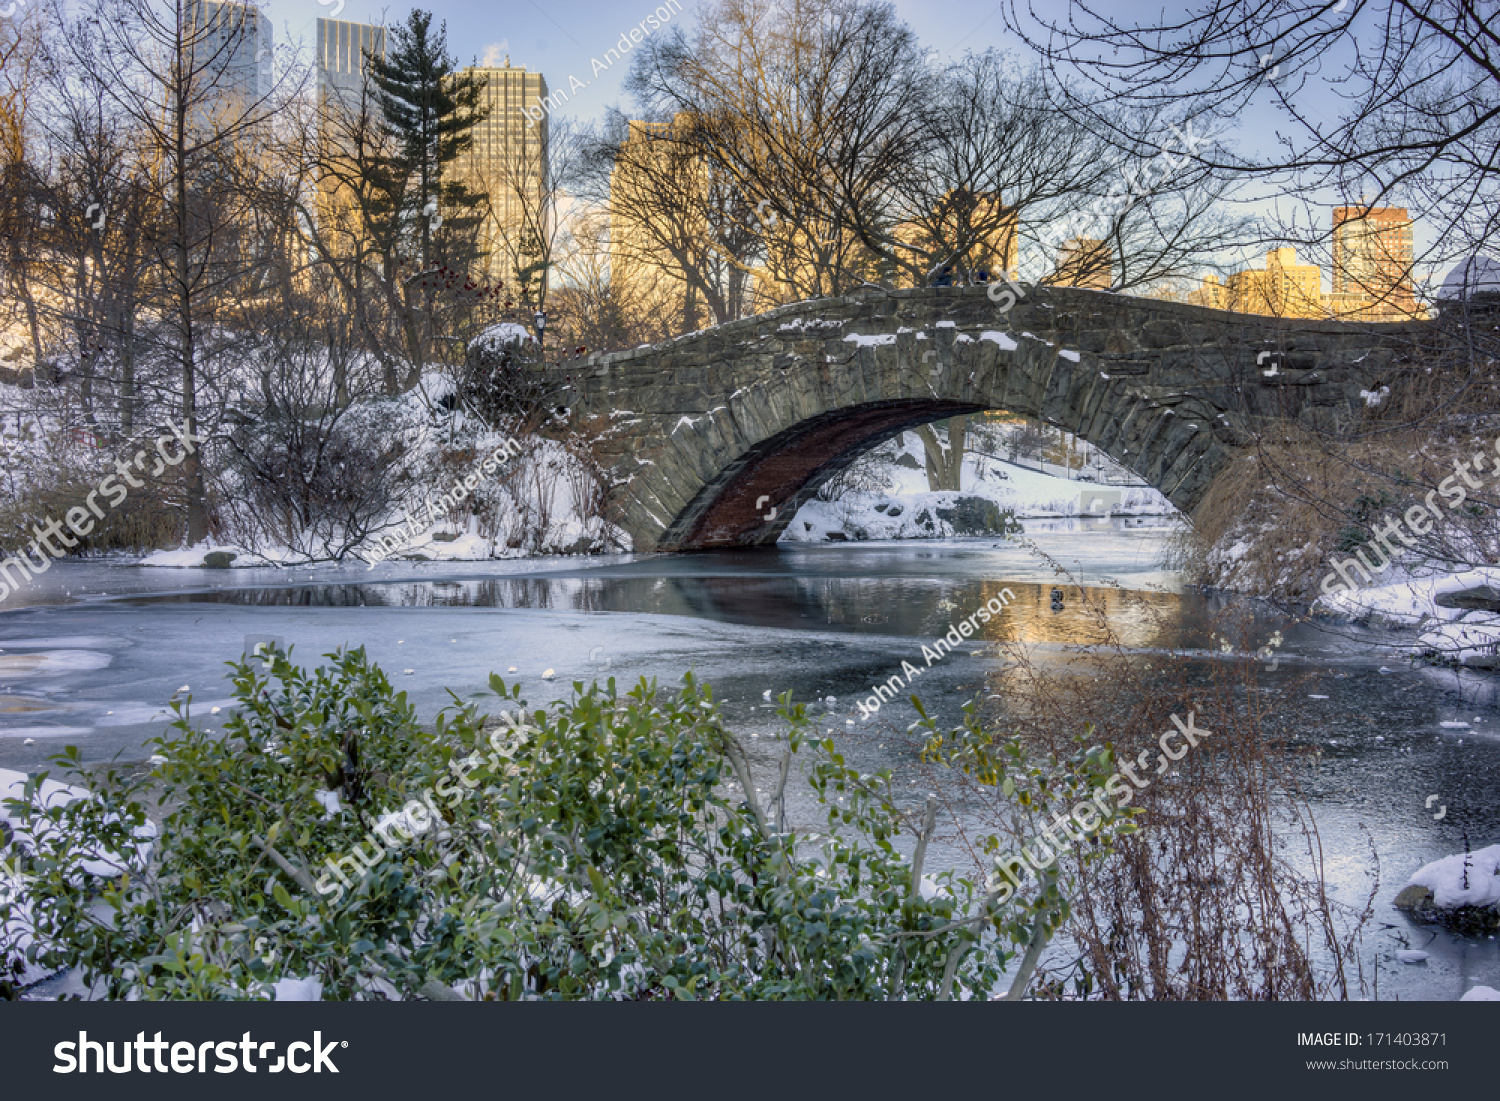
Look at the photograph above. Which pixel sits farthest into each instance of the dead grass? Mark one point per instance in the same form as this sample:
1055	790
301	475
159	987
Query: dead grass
1274	518
1270	522
145	520
1221	895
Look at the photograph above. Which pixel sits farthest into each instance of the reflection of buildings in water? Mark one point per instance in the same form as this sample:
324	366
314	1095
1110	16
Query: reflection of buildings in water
1132	618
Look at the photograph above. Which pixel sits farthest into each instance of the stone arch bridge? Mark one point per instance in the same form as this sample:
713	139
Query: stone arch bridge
707	434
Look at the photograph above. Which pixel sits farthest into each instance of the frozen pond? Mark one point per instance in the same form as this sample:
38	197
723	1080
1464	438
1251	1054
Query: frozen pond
101	648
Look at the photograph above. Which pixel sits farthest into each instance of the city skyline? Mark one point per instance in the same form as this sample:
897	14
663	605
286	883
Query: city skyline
1371	277
1364	261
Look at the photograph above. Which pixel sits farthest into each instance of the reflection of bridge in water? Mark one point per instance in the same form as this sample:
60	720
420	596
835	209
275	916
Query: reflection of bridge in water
916	607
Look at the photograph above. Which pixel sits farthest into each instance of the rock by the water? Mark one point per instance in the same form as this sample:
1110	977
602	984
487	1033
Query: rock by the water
1414	898
1481	598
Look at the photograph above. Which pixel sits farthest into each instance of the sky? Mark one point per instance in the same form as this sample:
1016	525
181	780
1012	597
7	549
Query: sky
561	38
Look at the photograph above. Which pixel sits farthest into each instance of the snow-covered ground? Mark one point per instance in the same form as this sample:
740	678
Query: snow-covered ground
1462	636
543	493
906	509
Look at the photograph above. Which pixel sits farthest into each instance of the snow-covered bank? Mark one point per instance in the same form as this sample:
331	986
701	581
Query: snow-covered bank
541	509
906	509
1462	890
1457	614
434	473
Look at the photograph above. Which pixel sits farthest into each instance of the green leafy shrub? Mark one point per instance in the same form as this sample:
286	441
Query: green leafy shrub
610	846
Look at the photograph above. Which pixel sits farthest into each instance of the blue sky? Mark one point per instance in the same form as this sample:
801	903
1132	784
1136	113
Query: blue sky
561	37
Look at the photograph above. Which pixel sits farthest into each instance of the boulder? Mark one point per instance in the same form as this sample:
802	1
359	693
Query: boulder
219	560
1480	598
1414	898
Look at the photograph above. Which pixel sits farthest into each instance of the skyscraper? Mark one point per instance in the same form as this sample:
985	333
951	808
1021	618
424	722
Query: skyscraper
343	49
230	43
347	116
1372	264
645	211
508	163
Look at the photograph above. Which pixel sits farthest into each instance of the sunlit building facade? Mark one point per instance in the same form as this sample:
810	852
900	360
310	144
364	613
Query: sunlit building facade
961	215
232	42
1372	265
641	265
508	164
348	117
1084	262
1283	288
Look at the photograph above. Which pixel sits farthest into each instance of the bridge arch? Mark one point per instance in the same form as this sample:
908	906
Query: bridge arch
715	439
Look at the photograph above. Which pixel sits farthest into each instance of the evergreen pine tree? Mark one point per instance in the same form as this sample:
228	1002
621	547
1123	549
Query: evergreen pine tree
428	217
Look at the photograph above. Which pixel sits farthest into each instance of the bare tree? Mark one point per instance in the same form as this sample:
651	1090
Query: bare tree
95	260
801	112
1378	101
677	223
177	72
609	309
22	64
861	160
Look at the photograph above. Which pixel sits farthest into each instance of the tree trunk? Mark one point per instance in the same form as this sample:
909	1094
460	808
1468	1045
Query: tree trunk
944	463
192	465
